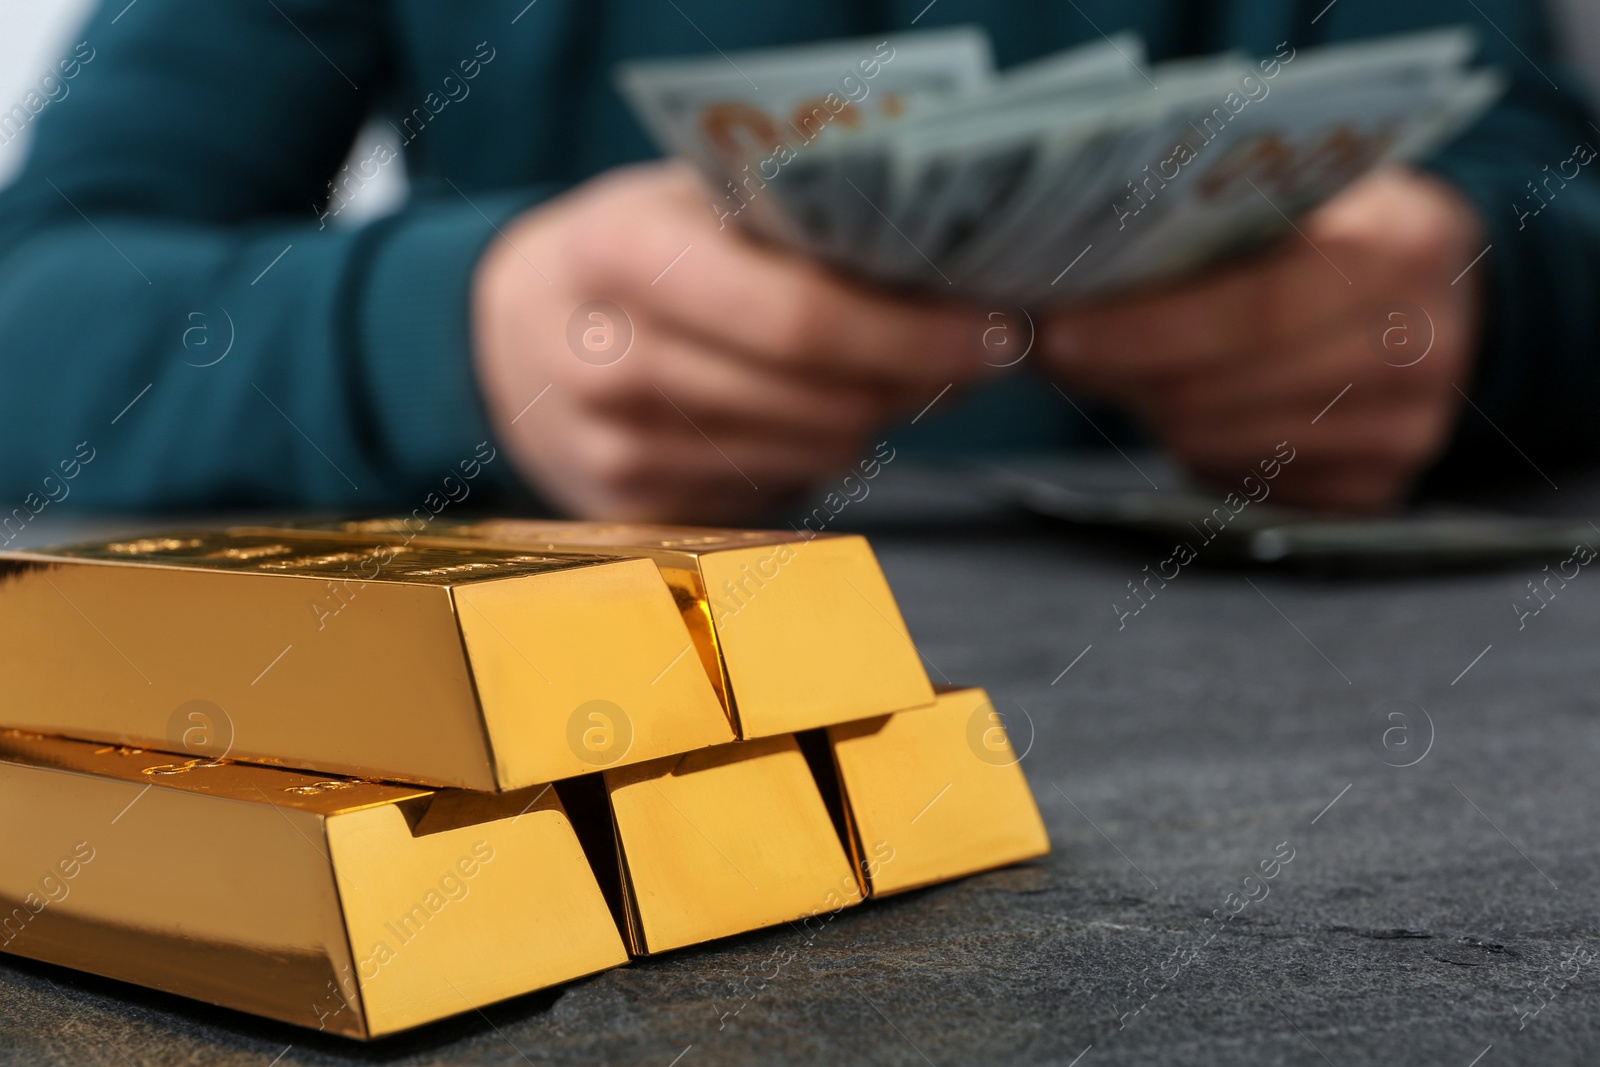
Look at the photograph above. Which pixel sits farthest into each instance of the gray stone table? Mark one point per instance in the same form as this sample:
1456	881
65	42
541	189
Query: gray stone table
1444	912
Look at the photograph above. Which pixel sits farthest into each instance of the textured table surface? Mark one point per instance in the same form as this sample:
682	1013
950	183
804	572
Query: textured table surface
1444	912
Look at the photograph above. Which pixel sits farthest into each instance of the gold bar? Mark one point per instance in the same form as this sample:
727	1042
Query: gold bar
354	907
475	667
795	632
724	841
934	794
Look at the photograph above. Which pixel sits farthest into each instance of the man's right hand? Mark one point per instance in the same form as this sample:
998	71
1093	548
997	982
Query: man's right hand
683	371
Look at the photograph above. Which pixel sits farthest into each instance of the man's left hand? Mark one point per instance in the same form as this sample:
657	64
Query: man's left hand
1348	340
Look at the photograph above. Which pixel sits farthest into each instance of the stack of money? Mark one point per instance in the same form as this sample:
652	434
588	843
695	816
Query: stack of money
361	776
1076	177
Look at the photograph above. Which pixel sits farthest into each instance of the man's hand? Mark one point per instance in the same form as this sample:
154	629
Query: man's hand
1365	307
681	371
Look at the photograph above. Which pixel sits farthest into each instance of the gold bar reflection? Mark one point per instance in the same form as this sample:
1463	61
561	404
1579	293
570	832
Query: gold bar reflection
934	794
795	632
724	841
476	667
353	907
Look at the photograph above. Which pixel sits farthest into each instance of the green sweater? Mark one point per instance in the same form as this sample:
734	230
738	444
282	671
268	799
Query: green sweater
171	210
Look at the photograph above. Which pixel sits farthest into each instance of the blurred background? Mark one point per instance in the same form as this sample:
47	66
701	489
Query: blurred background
39	31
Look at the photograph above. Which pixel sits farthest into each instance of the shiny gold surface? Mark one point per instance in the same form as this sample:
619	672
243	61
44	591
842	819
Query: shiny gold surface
794	632
354	907
724	841
474	666
934	793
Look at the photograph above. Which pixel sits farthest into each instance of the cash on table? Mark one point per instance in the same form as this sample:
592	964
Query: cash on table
912	161
361	776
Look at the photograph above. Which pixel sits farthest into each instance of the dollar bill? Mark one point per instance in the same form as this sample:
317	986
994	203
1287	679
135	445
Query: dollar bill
771	130
1080	176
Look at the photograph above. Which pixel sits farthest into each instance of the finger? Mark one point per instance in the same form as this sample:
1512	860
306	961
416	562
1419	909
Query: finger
1316	372
1353	488
677	457
1356	488
793	317
674	378
1269	303
1400	434
610	468
778	310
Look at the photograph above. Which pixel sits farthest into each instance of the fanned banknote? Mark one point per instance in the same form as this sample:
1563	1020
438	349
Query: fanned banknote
1080	176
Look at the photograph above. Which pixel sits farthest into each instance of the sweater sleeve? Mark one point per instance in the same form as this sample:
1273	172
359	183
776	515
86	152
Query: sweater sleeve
172	304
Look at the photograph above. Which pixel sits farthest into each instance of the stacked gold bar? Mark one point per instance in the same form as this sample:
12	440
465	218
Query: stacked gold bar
359	778
361	908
